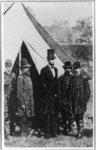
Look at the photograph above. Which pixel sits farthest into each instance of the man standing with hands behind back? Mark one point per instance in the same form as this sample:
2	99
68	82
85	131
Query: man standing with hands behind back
49	83
25	97
79	96
65	110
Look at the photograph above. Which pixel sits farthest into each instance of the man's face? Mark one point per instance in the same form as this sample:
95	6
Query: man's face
77	71
51	62
68	70
8	69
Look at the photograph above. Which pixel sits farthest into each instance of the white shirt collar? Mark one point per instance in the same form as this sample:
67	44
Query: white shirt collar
51	66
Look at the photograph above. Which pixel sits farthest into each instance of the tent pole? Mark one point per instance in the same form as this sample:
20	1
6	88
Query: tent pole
20	57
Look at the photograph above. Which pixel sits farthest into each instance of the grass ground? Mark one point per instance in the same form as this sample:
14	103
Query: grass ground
61	140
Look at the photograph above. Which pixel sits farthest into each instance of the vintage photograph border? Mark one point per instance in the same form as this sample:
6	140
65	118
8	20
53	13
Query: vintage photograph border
94	73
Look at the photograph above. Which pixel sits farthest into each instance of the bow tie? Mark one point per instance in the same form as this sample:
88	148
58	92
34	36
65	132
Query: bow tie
52	67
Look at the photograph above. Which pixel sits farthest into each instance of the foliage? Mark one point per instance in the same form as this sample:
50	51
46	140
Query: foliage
78	51
85	28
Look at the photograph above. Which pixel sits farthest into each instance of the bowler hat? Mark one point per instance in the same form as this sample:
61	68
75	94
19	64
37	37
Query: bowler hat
77	65
8	63
24	63
67	65
50	54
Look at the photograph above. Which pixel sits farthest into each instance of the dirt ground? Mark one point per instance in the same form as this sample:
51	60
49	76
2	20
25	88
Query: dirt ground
61	140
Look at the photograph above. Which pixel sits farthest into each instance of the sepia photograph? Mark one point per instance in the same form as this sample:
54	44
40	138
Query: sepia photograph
47	74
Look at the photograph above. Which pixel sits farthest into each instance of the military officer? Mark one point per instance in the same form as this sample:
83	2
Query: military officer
49	76
25	97
79	95
10	103
66	113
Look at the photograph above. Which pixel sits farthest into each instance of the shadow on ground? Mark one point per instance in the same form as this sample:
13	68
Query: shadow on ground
88	132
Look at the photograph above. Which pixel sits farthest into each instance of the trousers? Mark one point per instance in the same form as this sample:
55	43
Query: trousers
51	125
12	123
79	122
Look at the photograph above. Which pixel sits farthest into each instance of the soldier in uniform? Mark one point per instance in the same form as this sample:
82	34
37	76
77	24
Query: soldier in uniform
25	97
49	83
79	95
10	103
65	110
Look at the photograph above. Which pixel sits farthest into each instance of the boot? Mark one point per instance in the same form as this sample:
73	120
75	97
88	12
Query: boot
71	128
79	135
47	135
79	129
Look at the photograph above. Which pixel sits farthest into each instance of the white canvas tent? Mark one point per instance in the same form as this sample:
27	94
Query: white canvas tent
18	28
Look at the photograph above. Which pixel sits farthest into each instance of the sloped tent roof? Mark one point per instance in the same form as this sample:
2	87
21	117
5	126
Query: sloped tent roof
20	25
18	28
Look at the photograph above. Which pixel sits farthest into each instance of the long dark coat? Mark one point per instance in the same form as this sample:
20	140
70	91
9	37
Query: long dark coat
79	94
10	92
50	90
64	87
25	95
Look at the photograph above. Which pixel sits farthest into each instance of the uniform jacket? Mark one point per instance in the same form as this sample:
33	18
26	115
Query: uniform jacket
25	95
10	92
64	87
79	94
50	89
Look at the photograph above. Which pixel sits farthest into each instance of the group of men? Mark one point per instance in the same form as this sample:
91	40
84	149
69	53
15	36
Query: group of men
64	98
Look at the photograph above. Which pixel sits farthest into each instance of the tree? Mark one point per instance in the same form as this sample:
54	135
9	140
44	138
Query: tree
85	28
64	36
69	37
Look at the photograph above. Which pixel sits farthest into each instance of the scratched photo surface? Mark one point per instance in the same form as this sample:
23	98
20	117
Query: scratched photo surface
39	106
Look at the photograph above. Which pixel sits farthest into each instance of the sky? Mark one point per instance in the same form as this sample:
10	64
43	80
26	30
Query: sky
48	12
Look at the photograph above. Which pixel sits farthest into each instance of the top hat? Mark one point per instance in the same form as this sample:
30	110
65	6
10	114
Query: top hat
8	63
24	63
77	65
50	54
67	65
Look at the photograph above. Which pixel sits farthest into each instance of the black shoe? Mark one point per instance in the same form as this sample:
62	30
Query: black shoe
39	135
79	136
12	134
65	132
47	136
54	136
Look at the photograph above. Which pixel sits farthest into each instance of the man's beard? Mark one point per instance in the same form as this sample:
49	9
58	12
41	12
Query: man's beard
51	64
67	72
77	73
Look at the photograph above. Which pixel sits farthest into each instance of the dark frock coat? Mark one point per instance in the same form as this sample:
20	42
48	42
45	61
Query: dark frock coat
65	110
79	94
10	91
50	89
64	87
25	95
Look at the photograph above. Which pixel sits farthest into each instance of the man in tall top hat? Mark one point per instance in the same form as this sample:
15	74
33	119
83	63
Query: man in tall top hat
10	91
66	113
79	96
49	76
25	96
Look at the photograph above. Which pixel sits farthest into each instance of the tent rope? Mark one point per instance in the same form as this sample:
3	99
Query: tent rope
8	8
62	54
35	51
